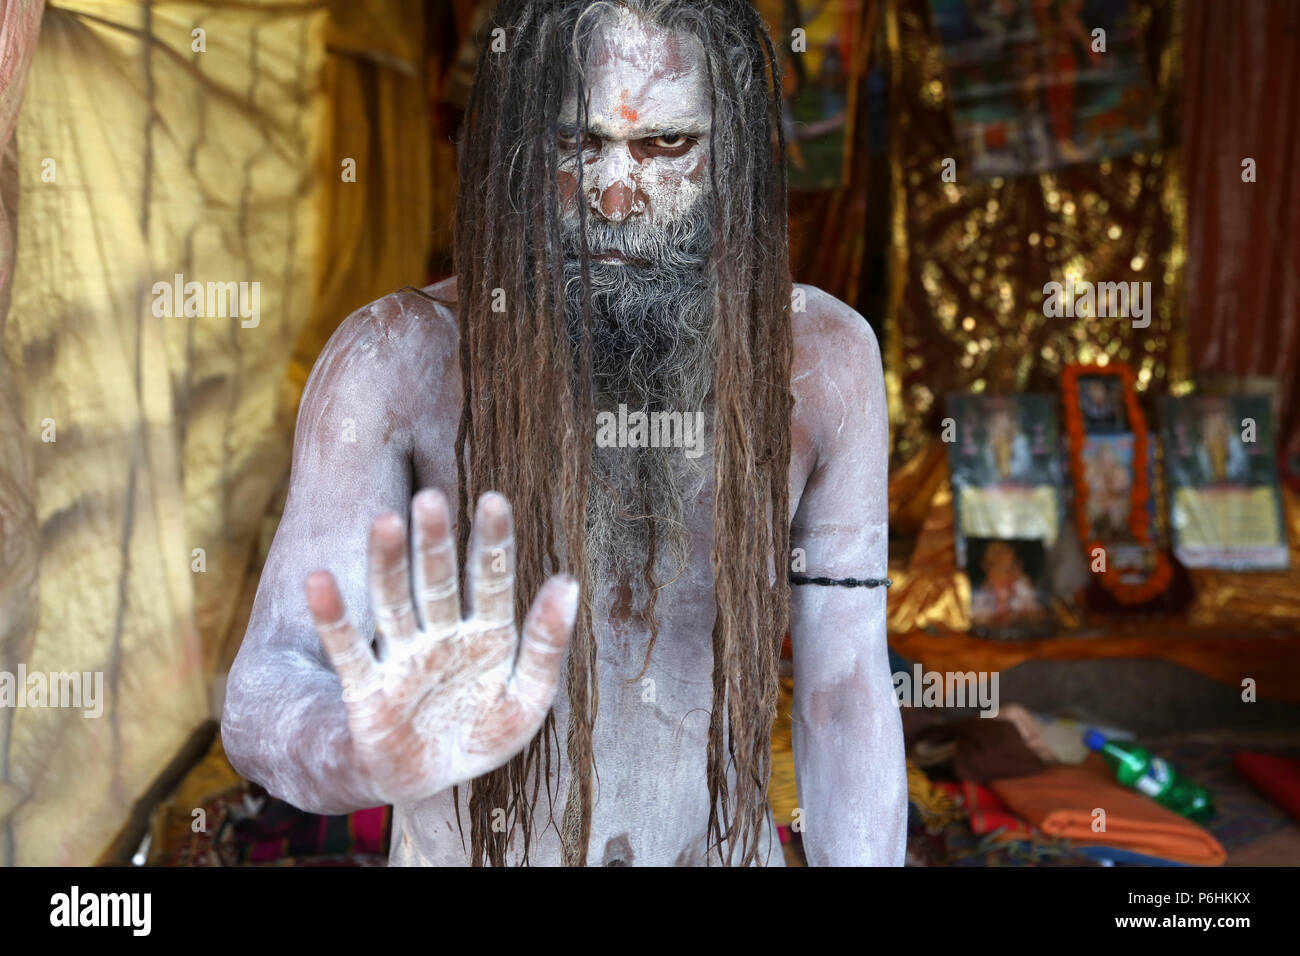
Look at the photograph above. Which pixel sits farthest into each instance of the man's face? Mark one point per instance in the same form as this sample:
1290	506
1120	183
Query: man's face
650	235
646	151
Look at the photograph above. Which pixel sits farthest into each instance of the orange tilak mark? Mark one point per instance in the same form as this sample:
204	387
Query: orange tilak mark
624	110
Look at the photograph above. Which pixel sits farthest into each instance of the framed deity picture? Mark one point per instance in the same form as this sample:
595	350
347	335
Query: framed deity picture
1225	509
1110	456
1004	457
1009	595
1101	404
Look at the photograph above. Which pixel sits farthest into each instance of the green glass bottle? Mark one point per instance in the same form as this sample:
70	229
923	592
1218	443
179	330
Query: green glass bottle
1136	768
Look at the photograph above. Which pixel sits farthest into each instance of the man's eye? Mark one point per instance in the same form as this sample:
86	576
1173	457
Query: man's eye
669	141
570	140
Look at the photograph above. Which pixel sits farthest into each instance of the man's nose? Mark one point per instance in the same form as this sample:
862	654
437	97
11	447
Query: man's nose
615	194
617	202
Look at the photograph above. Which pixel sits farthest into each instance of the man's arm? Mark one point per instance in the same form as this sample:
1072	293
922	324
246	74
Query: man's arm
848	740
284	724
440	696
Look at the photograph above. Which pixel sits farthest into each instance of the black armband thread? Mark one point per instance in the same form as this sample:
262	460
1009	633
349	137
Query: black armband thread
842	582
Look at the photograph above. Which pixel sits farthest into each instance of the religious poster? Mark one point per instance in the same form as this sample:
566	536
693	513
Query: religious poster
1038	84
1009	596
1003	453
1225	509
821	65
1110	457
1108	469
1108	472
1101	405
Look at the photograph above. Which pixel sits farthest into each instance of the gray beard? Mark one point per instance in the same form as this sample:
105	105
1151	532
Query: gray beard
653	350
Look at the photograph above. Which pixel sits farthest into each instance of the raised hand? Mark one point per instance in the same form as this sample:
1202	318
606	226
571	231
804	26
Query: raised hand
446	698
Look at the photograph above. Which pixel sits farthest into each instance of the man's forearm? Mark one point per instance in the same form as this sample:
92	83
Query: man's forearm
284	726
856	815
854	795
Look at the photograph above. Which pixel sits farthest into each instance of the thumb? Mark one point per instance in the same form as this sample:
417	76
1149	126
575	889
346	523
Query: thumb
547	630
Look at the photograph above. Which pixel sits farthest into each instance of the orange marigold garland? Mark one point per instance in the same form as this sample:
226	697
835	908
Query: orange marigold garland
1138	518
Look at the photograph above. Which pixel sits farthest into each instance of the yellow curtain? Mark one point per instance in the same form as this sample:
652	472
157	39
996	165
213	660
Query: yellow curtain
204	140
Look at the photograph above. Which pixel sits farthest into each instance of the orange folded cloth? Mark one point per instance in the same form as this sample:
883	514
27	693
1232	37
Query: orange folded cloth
1060	802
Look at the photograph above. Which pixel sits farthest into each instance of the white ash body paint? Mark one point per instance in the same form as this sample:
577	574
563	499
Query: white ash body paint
392	369
643	81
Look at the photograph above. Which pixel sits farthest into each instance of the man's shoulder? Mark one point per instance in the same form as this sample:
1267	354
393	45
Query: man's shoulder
407	324
394	349
429	312
832	341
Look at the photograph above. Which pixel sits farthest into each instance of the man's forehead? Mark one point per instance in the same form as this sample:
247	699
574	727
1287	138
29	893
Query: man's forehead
642	79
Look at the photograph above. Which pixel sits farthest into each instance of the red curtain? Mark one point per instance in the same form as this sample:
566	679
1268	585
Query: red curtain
1241	71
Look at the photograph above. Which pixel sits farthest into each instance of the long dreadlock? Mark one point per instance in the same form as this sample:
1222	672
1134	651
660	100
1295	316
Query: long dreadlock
527	420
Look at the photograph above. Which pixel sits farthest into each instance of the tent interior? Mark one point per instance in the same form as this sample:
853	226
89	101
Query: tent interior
310	148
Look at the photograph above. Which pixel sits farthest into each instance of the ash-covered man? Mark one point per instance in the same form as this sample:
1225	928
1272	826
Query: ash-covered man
620	241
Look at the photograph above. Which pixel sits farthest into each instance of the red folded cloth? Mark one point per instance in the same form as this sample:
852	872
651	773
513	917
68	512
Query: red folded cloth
987	812
1278	778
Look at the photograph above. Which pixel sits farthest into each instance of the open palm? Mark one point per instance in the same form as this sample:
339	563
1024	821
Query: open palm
443	698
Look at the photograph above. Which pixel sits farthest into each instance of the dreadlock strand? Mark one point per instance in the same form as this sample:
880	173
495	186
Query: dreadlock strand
527	418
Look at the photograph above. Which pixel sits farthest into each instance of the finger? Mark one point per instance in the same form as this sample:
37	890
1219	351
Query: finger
491	565
547	630
389	576
349	654
436	592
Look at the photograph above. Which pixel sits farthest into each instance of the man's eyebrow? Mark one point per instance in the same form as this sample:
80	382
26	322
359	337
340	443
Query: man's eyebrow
678	127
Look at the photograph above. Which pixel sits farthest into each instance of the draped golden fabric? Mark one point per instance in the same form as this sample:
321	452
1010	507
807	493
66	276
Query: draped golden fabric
930	592
782	793
161	439
970	258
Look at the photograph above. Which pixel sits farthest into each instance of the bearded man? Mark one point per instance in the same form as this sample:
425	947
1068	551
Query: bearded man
620	251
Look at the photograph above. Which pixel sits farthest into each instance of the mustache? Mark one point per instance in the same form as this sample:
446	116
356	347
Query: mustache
682	244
